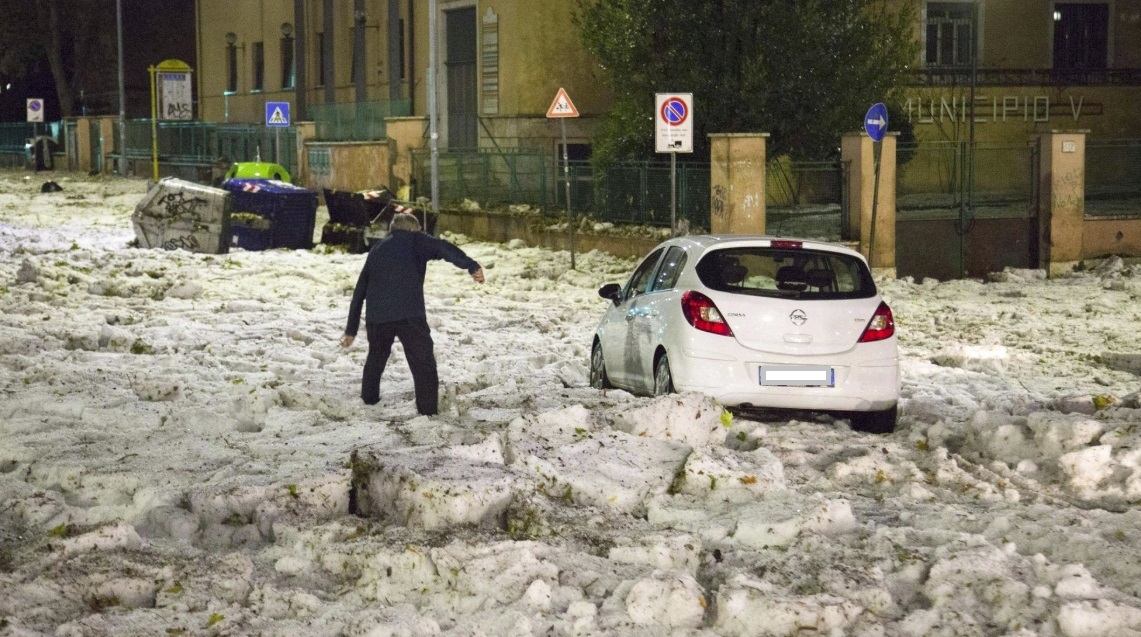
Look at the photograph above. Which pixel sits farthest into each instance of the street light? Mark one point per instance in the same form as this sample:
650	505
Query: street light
122	93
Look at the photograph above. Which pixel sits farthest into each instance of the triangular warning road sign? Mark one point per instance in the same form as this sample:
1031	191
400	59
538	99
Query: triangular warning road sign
278	117
562	106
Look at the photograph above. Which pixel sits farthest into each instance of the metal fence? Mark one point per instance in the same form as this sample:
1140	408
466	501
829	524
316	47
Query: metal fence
489	177
356	121
930	178
1113	178
14	137
807	199
202	143
638	192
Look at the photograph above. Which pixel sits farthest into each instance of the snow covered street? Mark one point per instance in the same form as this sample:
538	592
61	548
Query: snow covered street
180	432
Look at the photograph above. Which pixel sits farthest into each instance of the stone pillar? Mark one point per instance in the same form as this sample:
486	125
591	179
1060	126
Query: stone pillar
859	150
107	142
305	131
737	183
1061	197
405	134
83	144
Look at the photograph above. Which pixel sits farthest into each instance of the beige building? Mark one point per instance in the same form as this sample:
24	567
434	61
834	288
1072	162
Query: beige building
1041	65
500	63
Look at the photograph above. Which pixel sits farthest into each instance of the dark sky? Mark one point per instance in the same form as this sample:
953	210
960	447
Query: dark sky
153	30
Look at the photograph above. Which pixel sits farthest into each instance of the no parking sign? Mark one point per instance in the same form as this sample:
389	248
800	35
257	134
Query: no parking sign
35	109
673	117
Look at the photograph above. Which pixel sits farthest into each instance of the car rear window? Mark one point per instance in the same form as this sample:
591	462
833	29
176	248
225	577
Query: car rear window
786	273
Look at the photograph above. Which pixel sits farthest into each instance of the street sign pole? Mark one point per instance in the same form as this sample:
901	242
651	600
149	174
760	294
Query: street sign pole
561	108
673	134
673	194
875	124
566	175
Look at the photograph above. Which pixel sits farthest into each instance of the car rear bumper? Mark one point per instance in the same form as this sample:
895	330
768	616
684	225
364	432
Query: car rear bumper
868	385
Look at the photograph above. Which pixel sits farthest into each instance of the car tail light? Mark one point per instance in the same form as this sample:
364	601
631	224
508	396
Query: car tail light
701	313
781	243
880	327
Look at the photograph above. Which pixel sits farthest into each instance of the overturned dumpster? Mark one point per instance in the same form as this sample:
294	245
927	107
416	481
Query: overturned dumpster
176	213
356	219
271	214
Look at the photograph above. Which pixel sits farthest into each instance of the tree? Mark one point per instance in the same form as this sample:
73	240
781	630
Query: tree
804	71
74	39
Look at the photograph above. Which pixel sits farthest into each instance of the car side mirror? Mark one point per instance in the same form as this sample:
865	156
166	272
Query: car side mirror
611	291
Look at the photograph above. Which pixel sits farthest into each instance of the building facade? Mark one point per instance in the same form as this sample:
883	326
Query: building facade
1039	65
499	63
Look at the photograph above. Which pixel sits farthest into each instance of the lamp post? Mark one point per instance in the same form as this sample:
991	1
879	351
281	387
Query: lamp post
122	93
967	180
433	134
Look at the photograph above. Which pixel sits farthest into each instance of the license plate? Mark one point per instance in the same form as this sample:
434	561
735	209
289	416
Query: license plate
797	375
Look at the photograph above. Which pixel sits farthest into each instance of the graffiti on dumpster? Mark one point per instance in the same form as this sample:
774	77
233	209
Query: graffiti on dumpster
188	242
178	205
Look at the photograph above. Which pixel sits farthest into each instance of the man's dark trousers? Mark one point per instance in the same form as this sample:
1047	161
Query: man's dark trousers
416	337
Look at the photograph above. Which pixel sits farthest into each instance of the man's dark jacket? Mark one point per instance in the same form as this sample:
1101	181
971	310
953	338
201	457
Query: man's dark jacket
392	280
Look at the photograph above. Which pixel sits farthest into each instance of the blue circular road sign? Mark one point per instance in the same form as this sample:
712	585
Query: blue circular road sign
875	122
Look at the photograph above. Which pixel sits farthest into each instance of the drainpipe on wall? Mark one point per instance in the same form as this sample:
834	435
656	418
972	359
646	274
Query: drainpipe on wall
393	50
301	76
328	75
360	19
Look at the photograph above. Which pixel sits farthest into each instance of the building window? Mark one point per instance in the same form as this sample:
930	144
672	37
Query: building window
949	37
259	66
288	72
320	58
1081	36
231	68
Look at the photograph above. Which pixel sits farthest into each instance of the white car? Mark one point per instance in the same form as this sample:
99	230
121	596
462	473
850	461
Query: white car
753	322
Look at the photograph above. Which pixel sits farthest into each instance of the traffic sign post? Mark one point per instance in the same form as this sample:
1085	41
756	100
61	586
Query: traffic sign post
875	125
673	134
277	118
561	108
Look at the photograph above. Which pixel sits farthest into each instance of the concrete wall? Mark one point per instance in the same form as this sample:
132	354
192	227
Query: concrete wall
1108	236
352	165
532	230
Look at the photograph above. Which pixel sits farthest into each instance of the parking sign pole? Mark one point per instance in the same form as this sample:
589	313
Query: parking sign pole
566	175
673	194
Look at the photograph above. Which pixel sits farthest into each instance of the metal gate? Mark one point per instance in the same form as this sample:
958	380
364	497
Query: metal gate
962	213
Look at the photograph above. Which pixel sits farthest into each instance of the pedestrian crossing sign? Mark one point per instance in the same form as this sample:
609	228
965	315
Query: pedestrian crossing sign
562	106
277	114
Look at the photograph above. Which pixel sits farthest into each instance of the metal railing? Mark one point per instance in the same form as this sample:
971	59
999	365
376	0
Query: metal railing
489	177
931	179
961	76
356	121
638	192
14	138
203	143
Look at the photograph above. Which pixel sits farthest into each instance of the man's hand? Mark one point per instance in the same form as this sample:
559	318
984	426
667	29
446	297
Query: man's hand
477	276
347	340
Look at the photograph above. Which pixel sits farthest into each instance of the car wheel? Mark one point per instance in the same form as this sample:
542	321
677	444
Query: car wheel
876	422
598	378
663	379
